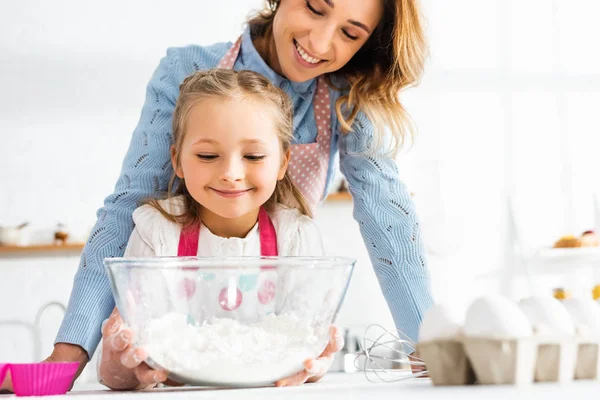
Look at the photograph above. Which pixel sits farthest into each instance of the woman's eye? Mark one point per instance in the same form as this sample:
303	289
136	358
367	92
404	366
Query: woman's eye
312	9
206	157
255	157
349	36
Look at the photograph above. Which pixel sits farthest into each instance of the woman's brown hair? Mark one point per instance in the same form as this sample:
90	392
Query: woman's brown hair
392	59
229	84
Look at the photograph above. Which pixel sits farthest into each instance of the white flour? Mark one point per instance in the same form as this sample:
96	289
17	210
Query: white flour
224	352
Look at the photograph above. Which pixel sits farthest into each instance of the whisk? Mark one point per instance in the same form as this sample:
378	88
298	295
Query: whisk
398	344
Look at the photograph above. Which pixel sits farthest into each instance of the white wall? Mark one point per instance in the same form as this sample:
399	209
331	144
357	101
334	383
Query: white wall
73	77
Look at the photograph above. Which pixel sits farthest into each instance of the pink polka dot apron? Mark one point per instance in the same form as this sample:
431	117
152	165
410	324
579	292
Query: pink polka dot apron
309	163
265	291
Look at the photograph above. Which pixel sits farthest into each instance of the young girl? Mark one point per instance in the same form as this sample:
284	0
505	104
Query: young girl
232	197
232	134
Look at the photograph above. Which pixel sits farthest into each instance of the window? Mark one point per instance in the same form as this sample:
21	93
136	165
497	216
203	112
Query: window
507	109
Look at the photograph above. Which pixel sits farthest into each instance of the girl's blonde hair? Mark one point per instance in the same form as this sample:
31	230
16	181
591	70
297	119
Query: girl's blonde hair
392	59
233	85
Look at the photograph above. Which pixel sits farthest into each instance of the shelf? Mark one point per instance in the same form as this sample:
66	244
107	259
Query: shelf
565	258
570	254
553	261
41	248
339	196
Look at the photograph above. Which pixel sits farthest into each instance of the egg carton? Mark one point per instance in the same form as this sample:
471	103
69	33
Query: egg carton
540	340
502	361
447	362
492	361
556	359
587	365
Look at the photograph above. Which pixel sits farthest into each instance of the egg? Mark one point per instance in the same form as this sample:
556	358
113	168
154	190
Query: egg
585	312
440	322
494	316
548	315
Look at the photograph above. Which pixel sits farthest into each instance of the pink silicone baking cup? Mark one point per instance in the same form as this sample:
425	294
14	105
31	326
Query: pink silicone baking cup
3	369
43	379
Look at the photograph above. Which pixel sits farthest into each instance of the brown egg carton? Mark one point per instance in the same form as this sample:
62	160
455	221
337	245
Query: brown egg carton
490	361
556	360
502	361
587	365
447	362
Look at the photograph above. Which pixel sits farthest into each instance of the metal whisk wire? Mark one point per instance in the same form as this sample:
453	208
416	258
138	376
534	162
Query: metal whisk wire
394	341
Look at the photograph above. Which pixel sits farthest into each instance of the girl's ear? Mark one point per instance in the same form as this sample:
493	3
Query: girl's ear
284	164
177	168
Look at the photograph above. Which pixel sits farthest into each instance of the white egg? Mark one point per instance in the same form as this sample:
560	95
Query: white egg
585	312
495	316
548	315
440	322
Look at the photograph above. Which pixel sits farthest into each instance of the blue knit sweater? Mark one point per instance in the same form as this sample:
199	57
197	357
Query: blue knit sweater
382	205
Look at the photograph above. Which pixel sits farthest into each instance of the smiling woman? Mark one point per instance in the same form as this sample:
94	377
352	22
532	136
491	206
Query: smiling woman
378	48
342	64
316	34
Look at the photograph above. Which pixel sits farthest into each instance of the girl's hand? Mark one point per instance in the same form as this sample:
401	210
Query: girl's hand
417	369
121	366
315	369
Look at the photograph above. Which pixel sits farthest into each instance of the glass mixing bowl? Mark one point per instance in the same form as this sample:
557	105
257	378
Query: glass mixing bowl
243	321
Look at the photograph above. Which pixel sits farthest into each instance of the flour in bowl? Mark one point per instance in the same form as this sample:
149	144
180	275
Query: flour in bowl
222	351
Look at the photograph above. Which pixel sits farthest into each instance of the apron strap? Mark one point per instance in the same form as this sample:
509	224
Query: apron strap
190	236
188	241
268	237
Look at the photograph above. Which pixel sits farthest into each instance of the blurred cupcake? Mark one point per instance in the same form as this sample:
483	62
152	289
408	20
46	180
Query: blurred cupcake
589	239
499	343
555	333
440	347
561	294
596	292
568	241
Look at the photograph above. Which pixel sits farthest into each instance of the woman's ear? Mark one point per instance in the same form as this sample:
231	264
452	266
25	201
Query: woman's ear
177	168
284	164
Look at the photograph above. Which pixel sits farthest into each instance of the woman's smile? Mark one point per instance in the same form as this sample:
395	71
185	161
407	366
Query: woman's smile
305	58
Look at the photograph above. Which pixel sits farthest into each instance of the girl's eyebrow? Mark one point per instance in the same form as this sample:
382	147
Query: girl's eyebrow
213	141
252	141
353	22
205	140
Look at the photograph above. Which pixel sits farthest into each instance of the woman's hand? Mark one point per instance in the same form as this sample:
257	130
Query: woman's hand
121	365
315	369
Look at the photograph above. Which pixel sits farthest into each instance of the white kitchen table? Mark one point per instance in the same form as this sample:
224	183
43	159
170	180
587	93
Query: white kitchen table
352	386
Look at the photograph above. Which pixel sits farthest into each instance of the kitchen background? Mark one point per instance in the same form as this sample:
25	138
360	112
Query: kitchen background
505	160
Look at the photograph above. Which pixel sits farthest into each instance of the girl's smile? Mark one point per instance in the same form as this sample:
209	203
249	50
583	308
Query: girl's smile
230	194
